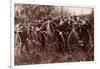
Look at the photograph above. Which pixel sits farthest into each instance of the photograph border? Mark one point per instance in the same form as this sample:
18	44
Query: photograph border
12	32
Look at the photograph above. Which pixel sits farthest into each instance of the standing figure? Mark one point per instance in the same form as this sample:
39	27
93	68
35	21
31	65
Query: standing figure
22	32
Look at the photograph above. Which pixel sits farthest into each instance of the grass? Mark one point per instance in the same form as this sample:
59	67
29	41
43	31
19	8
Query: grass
37	55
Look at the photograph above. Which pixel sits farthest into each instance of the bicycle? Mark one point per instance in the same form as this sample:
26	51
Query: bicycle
79	37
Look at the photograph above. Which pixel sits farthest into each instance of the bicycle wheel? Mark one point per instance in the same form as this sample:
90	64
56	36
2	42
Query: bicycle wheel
79	39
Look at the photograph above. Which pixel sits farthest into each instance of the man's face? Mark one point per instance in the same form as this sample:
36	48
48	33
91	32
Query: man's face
77	18
21	28
65	19
29	25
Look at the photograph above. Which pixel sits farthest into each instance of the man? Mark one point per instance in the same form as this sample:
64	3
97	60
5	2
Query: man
61	37
29	31
22	32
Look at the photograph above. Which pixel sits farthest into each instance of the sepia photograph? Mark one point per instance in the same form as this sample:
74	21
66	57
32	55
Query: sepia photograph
45	34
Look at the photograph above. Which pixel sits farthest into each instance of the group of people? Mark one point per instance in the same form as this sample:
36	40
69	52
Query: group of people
61	23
